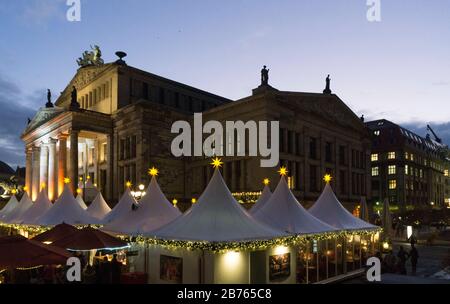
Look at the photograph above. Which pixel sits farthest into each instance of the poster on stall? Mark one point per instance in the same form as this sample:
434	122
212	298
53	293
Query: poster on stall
171	269
279	266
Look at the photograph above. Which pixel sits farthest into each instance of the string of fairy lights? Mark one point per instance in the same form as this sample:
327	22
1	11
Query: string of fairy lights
241	245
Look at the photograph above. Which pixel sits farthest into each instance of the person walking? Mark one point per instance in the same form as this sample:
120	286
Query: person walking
402	257
414	255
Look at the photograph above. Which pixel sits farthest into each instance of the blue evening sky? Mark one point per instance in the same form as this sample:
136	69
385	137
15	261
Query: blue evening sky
396	69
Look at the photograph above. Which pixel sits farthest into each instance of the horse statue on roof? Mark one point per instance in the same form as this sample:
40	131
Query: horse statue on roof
91	58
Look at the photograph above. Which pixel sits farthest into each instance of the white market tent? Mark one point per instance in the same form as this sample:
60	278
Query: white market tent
39	208
216	217
12	203
328	209
81	202
123	207
152	212
262	200
66	210
14	216
283	212
98	208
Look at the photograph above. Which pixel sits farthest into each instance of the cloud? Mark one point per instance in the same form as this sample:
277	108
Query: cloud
13	120
441	83
442	130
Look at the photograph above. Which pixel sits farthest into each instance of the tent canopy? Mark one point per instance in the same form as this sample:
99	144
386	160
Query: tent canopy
284	212
81	202
328	209
262	200
98	208
15	215
39	208
216	217
123	207
58	232
66	210
12	203
152	212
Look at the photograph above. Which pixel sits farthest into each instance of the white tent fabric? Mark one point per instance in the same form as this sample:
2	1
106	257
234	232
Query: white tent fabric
154	211
98	208
66	210
12	203
14	216
81	202
39	208
262	200
216	217
283	212
328	209
123	207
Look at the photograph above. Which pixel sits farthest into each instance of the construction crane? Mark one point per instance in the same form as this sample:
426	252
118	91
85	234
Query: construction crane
434	134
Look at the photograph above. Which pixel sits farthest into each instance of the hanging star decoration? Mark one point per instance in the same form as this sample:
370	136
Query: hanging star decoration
216	163
283	171
13	191
43	185
153	171
66	180
327	178
78	191
128	184
25	188
81	179
266	182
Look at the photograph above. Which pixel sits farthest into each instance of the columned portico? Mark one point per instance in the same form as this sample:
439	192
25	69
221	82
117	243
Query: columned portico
43	166
74	159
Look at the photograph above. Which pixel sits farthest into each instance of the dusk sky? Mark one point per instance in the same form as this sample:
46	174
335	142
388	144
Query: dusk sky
396	69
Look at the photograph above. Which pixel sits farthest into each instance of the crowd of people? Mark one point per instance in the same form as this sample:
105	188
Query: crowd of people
392	263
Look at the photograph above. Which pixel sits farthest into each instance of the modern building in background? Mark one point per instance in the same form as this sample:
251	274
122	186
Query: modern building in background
118	124
409	170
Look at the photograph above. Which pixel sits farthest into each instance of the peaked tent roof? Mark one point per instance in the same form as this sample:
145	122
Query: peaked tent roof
81	202
58	232
12	203
39	208
66	210
328	209
98	208
282	211
262	200
216	217
123	207
154	211
15	214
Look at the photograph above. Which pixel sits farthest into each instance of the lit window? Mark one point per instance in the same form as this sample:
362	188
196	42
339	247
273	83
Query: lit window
446	173
406	155
406	169
421	173
374	157
375	171
391	155
376	133
392	169
412	157
392	184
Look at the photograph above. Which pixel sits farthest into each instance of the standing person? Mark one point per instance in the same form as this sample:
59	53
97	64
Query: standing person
105	271
402	257
116	270
414	255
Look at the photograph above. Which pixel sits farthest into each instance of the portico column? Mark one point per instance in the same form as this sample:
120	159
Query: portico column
29	170
74	159
52	169
43	166
35	170
62	161
109	166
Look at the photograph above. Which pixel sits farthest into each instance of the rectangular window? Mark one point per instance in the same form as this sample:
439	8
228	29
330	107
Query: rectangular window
312	148
177	100
342	155
328	152
446	172
406	170
313	178
421	173
391	155
298	143
392	184
374	157
282	140
406	155
290	143
412	157
297	176
162	96
122	149
190	104
392	169
342	182
133	146
375	171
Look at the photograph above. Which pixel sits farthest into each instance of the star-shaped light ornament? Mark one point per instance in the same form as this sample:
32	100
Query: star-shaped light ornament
128	184
216	163
327	178
283	171
153	171
266	182
66	180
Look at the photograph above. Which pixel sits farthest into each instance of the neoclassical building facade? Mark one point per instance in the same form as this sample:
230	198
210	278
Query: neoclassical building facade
118	124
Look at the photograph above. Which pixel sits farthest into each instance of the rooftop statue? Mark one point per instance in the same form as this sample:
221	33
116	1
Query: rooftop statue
264	76
49	103
90	58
